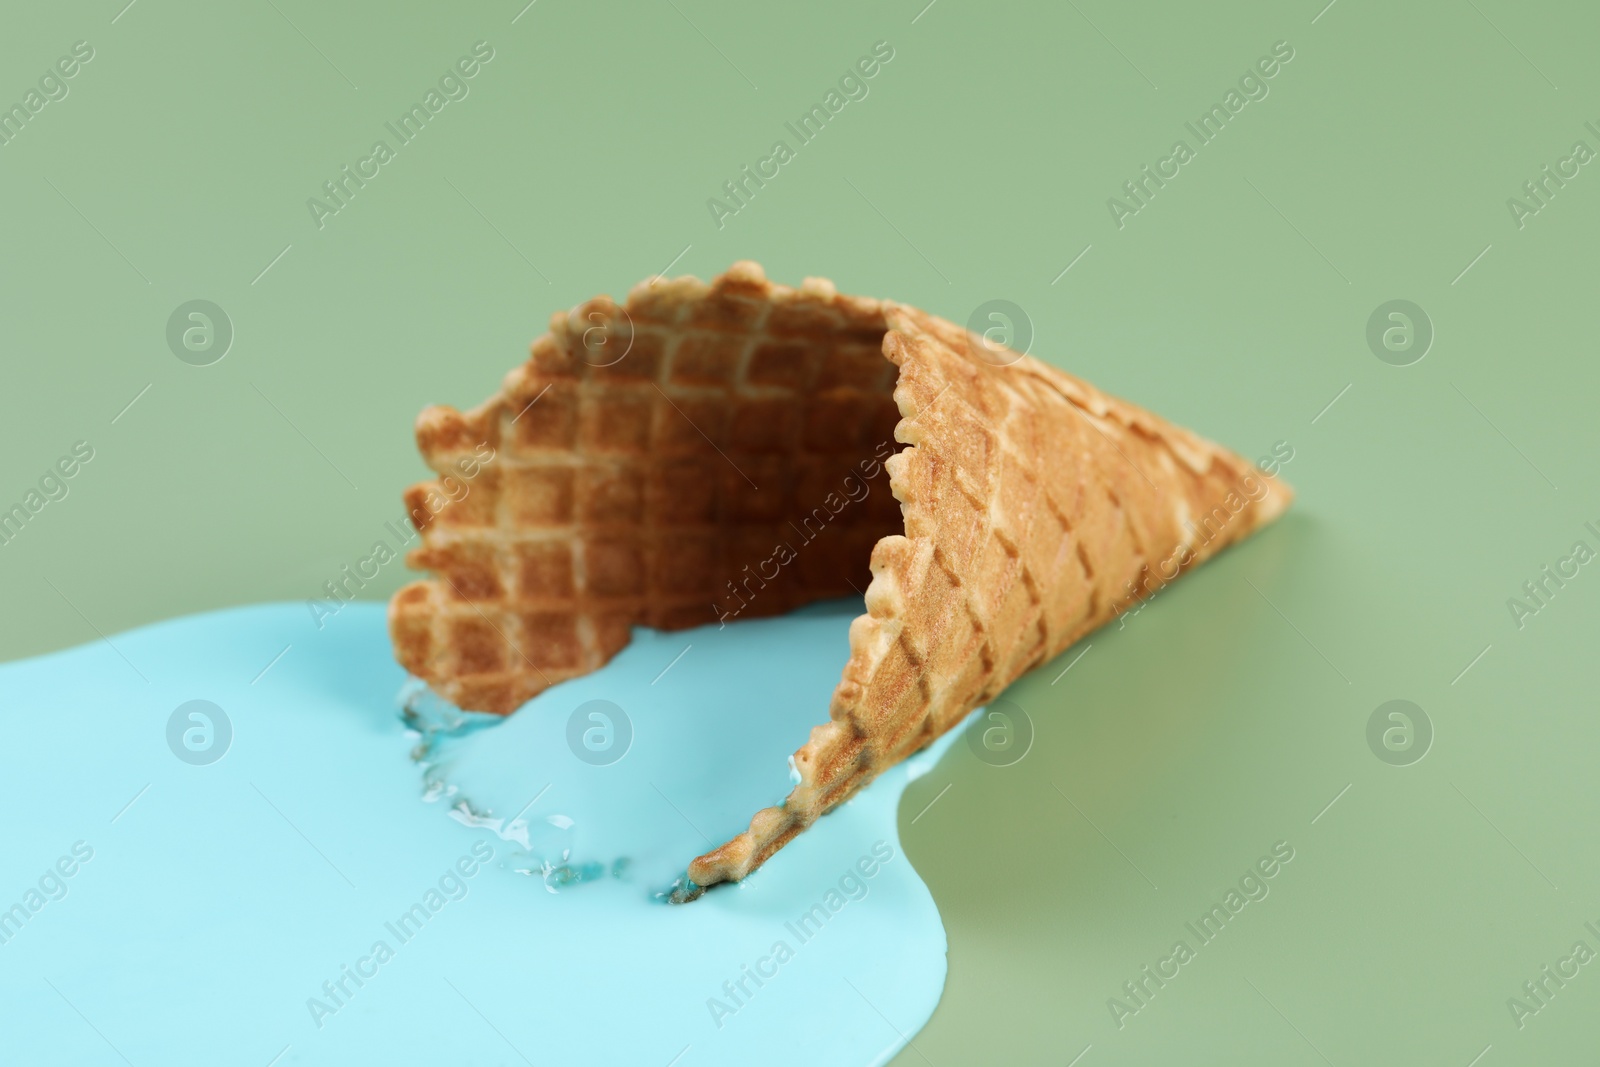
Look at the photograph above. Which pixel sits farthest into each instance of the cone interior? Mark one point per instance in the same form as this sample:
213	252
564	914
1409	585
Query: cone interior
669	465
731	450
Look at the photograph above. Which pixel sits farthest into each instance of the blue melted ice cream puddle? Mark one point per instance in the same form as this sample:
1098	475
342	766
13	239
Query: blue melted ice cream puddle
293	898
663	754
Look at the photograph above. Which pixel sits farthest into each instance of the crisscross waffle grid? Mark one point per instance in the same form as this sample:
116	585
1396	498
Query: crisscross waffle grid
659	487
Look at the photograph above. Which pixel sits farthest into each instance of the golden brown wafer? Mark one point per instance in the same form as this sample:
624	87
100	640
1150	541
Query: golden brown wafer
738	449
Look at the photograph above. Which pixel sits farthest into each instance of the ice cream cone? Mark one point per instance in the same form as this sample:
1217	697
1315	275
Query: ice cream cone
731	450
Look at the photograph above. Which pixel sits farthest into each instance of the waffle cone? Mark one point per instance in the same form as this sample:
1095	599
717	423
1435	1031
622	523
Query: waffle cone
722	451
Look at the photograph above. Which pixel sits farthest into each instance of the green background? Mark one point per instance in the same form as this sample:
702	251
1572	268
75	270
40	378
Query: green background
1224	718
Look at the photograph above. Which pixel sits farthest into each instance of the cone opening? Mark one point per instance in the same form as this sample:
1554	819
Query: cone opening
728	465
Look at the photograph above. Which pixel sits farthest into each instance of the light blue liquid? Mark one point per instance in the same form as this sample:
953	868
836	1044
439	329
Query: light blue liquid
221	897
